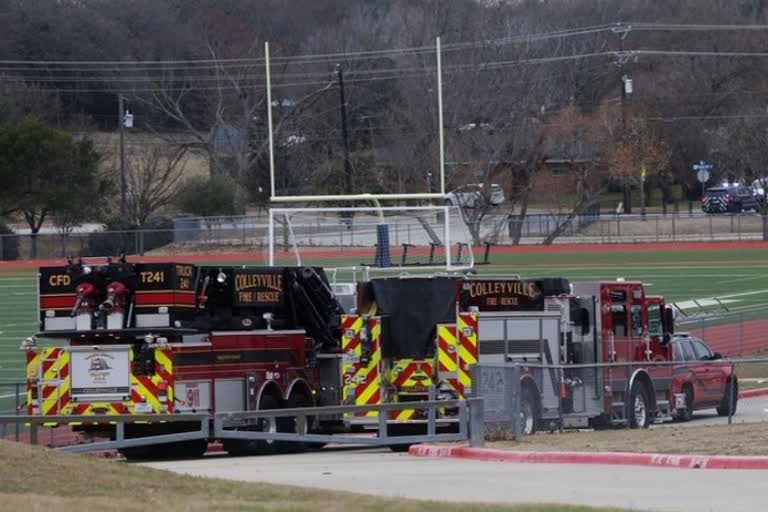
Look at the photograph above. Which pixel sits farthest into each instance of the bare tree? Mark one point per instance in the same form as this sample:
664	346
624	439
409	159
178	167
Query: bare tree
153	176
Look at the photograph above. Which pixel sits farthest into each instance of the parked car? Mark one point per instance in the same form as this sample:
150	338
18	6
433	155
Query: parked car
705	385
473	195
729	199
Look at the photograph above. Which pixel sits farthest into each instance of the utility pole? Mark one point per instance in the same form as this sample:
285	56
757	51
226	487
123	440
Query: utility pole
344	133
622	32
121	123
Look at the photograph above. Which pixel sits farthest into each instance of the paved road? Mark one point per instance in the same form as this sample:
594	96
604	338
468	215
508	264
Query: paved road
749	410
379	472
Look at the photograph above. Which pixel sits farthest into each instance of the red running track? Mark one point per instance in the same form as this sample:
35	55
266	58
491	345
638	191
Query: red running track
728	340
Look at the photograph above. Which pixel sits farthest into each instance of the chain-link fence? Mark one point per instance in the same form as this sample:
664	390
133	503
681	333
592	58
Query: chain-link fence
247	233
696	390
732	333
13	400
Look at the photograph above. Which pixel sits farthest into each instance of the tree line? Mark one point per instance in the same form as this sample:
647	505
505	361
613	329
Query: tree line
524	83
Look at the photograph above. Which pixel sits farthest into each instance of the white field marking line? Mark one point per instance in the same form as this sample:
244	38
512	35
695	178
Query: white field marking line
11	395
745	278
742	294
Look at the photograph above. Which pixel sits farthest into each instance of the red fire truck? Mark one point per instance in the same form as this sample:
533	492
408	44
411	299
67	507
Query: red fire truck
152	338
429	332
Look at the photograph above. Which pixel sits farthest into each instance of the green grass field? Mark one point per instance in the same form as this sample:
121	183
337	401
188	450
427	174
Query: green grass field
738	276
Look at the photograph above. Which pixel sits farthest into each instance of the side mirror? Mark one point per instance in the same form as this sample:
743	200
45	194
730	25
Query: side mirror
666	338
669	320
584	321
716	355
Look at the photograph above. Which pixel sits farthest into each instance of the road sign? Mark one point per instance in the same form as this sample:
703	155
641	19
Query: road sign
702	166
702	175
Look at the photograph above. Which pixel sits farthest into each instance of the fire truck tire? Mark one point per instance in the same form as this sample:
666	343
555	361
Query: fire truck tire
186	449
404	430
239	447
290	424
529	413
686	413
639	407
141	452
730	400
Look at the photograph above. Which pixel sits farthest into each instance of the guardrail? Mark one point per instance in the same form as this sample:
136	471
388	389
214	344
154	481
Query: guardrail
468	422
35	422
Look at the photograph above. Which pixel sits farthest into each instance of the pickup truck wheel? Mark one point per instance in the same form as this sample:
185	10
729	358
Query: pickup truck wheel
730	400
639	410
686	413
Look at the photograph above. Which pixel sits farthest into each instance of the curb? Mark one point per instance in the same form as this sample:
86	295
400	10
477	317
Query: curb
751	393
611	458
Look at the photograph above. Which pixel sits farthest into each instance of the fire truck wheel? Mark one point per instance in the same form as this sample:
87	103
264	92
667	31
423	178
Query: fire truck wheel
239	447
639	410
730	400
291	424
186	449
140	452
529	413
404	430
686	413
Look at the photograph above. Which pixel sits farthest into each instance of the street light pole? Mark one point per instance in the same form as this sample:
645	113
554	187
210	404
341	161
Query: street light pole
121	123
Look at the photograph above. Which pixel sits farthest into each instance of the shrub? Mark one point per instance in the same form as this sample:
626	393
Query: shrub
208	197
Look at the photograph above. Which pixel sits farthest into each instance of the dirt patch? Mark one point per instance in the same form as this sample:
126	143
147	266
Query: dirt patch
743	439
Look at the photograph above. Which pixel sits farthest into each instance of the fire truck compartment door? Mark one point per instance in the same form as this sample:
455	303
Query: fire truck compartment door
100	373
532	337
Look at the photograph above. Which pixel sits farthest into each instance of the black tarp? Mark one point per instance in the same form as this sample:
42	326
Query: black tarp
413	308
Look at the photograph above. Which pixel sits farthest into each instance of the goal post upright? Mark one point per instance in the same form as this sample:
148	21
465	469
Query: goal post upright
440	210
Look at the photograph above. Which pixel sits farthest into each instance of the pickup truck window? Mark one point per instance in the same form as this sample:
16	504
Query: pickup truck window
701	351
688	353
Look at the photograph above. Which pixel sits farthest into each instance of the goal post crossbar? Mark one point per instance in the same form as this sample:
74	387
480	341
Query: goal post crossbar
354	197
385	216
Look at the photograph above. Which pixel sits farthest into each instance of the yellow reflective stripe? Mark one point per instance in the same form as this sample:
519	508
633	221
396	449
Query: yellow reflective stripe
405	414
146	393
445	358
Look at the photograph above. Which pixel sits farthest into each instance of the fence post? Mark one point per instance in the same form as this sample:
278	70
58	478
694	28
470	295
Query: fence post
629	406
517	429
476	422
741	333
383	434
431	413
32	433
673	228
732	397
17	426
